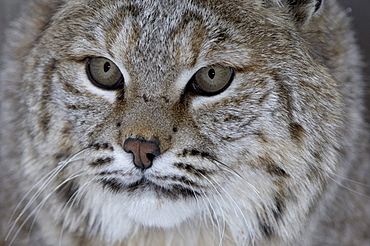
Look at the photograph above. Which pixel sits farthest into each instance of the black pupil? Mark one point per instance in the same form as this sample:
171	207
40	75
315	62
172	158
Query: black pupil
106	66
211	73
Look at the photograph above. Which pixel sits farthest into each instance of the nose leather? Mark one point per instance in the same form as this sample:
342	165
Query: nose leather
143	151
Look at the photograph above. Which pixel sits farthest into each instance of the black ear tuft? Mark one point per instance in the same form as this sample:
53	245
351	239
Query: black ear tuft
302	10
318	5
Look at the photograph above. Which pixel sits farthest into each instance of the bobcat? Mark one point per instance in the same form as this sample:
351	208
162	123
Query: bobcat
143	122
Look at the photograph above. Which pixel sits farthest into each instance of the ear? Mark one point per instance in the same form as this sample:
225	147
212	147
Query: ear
302	10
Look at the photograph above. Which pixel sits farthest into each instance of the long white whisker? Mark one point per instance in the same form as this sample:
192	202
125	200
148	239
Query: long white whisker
39	206
232	200
346	187
72	158
221	229
233	172
329	175
49	176
71	177
225	167
53	173
45	182
340	177
71	201
215	222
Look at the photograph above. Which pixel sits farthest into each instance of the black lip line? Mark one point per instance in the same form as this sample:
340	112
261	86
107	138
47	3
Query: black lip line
176	192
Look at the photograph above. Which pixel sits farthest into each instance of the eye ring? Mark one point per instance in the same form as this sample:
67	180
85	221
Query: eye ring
103	73
211	80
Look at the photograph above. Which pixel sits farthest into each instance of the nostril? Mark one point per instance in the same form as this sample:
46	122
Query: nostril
150	156
143	151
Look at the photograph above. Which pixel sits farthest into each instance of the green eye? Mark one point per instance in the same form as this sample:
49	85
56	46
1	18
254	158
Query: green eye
104	74
212	80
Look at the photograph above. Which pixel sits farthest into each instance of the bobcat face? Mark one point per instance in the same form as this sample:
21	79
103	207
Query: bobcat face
160	113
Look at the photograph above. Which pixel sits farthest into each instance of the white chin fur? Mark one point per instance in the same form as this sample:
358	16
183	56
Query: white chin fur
116	215
148	210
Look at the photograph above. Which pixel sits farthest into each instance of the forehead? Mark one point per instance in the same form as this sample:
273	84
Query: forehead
152	30
150	20
153	19
163	32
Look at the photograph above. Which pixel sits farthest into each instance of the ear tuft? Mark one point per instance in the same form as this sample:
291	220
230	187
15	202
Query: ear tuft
318	5
302	10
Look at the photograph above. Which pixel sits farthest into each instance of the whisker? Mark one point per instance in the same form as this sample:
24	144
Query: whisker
227	168
46	180
329	175
348	180
53	173
29	191
221	228
49	176
213	214
71	177
346	187
232	200
71	201
71	159
39	206
232	171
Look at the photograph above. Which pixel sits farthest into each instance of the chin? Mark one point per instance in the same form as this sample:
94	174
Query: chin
116	215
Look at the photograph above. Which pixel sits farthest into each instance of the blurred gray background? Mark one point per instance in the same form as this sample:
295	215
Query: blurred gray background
358	9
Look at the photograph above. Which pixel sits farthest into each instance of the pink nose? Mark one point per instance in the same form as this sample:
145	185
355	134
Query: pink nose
144	151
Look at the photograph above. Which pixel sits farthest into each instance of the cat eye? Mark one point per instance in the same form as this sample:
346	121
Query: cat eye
104	74
212	80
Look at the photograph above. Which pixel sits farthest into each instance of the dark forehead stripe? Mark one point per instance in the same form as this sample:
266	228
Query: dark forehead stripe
155	25
112	25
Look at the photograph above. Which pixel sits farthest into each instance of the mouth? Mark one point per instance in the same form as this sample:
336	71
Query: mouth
144	185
